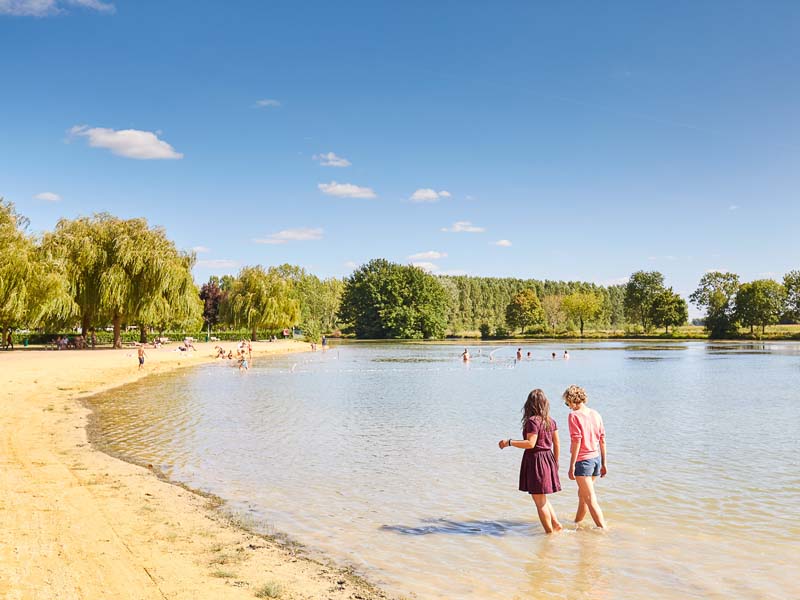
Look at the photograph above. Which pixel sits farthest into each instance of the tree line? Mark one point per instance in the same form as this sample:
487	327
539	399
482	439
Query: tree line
387	300
101	271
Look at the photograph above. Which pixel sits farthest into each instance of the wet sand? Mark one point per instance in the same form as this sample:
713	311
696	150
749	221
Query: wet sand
80	524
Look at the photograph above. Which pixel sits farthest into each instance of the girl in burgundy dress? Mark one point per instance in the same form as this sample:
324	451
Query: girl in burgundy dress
538	474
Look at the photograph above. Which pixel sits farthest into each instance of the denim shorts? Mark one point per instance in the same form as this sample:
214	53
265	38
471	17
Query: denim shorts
588	468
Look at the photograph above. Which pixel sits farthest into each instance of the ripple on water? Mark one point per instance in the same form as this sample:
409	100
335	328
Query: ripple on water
385	457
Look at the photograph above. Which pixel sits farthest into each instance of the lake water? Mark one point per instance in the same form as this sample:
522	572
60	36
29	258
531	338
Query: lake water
385	456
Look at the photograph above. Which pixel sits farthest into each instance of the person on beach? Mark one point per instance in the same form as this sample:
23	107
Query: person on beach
141	356
243	362
9	340
538	473
587	453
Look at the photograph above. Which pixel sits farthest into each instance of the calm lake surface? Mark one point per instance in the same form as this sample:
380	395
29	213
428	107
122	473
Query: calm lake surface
385	456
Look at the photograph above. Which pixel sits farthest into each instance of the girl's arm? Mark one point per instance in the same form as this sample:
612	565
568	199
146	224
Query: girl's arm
573	451
556	446
526	444
603	469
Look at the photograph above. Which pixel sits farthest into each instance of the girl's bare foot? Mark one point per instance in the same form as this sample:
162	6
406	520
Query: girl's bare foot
557	526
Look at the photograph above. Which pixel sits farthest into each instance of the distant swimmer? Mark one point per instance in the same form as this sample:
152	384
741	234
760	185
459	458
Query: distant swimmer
566	355
465	355
554	355
529	356
519	353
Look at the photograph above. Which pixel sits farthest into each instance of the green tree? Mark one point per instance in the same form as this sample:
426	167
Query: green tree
524	310
716	293
554	313
640	292
82	245
791	283
263	300
760	302
582	307
386	300
669	310
32	287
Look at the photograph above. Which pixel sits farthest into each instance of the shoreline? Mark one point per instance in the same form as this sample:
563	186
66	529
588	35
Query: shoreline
81	523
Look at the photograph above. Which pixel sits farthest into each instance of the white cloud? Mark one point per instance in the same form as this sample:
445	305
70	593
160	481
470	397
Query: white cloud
200	249
668	257
429	195
429	255
218	263
47	197
330	159
350	264
44	8
426	266
464	227
300	234
453	272
502	243
615	281
719	270
346	190
267	103
130	143
733	207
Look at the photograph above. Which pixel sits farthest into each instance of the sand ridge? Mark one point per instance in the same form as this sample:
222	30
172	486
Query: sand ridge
79	524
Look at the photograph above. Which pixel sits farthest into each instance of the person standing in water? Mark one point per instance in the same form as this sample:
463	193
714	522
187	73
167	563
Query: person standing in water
519	353
465	355
141	356
566	355
538	473
587	453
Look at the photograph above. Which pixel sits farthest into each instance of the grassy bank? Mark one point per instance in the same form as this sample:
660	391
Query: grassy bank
686	332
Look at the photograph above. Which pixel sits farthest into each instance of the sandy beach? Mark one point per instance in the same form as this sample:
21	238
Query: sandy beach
80	524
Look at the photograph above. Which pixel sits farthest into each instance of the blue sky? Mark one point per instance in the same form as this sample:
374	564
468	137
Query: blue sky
594	138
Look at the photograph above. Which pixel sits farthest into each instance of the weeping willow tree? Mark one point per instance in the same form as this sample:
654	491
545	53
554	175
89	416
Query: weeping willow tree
83	246
149	282
33	290
123	271
263	300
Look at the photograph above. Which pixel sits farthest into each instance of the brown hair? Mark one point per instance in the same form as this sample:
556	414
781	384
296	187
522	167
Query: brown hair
575	394
537	405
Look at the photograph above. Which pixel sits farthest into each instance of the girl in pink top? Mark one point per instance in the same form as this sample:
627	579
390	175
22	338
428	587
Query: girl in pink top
587	452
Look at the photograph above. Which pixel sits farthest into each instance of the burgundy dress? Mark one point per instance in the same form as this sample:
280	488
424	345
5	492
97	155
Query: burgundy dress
538	473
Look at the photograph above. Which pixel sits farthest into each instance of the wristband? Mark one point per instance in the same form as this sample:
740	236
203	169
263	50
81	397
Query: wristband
509	441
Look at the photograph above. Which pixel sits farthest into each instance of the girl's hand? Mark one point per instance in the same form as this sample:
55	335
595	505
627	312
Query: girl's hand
502	444
571	473
603	471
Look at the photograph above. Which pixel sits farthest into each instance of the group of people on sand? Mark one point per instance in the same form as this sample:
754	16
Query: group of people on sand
78	342
243	356
466	356
538	475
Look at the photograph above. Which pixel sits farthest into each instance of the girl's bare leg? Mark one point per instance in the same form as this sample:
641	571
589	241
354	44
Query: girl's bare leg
580	514
553	519
544	513
589	498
